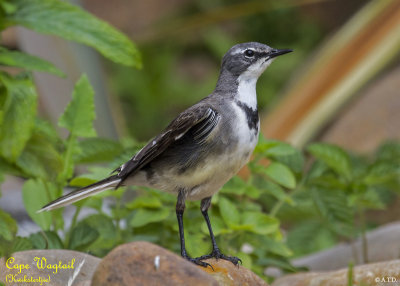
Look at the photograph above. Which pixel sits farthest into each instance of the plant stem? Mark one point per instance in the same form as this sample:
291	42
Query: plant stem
350	274
64	175
73	223
274	211
364	242
53	220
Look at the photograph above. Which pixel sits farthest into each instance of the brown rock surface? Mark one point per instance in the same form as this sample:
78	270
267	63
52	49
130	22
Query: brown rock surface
383	273
136	264
34	264
228	274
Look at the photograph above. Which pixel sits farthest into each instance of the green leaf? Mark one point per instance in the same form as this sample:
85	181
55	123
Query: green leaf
21	244
333	156
46	240
79	115
144	202
277	247
281	152
40	158
103	224
96	174
35	194
280	263
236	186
335	210
218	226
18	115
3	100
381	173
72	23
389	151
276	191
369	199
196	244
281	149
281	174
8	226
71	149
94	150
260	223
264	145
28	62
144	216
106	229
309	236
7	6
82	236
229	212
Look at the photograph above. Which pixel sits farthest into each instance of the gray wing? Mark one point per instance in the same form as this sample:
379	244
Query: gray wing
200	120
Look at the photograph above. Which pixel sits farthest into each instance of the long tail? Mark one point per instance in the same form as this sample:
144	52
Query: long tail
74	196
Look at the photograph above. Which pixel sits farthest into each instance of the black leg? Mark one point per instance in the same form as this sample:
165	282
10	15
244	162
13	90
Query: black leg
180	208
216	253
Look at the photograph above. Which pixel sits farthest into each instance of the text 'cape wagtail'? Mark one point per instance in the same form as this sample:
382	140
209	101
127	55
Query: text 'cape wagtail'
202	148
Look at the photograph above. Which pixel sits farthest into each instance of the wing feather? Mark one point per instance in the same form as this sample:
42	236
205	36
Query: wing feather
174	131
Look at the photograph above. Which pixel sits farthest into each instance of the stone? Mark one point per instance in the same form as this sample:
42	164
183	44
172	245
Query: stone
382	273
48	267
144	263
228	274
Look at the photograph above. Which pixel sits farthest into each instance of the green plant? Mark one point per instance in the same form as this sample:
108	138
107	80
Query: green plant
29	146
337	191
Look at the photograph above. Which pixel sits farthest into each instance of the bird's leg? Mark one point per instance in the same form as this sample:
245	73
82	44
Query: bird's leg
216	253
180	208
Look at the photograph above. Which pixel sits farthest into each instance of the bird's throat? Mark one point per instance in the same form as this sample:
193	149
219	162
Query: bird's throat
246	92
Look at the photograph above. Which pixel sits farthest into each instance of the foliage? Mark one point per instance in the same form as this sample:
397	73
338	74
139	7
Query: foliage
62	19
29	146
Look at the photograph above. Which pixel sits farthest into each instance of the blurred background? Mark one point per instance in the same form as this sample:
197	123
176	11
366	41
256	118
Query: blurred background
345	53
340	85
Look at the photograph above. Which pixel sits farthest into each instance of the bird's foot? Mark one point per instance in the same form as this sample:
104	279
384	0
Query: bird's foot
198	261
216	253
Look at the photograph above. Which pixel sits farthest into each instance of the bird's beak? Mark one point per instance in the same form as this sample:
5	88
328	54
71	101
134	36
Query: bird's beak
275	52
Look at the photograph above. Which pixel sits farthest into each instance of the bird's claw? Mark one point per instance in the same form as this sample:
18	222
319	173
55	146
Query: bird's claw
198	261
218	255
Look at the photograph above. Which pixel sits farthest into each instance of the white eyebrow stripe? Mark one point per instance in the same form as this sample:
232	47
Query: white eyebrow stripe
239	50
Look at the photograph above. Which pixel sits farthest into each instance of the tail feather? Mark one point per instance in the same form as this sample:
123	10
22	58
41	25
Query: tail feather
74	196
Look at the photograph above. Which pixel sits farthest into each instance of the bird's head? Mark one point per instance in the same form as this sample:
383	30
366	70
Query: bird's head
249	60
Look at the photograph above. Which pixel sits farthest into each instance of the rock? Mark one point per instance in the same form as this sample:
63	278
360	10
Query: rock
135	264
369	274
51	267
383	245
228	274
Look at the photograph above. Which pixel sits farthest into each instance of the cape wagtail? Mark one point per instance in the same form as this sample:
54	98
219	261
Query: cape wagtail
202	148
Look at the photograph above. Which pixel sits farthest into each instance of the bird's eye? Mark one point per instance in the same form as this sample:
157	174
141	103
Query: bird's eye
249	53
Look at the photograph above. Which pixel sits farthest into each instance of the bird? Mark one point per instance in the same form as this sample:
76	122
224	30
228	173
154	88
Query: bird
202	148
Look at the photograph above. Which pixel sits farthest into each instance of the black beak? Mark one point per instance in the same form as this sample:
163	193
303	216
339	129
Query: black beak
274	53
